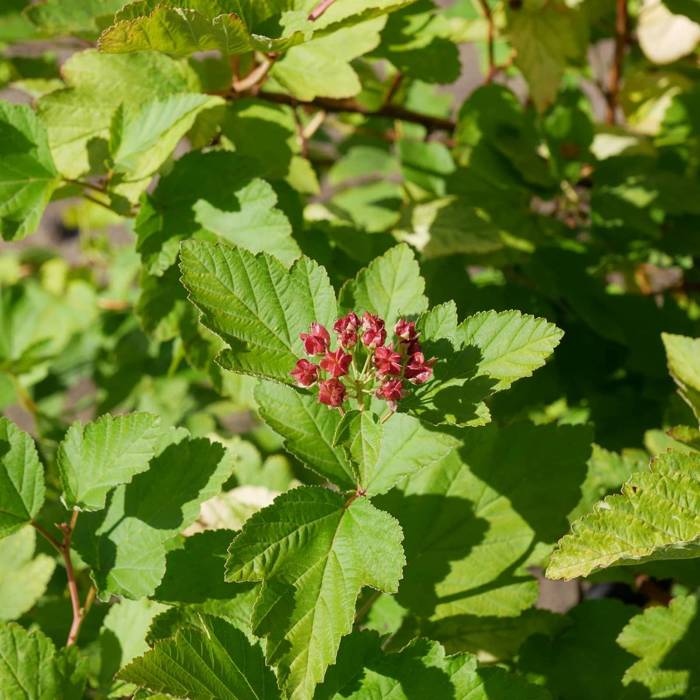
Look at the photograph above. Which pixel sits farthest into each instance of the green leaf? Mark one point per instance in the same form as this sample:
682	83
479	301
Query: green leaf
313	552
546	37
390	286
143	136
664	639
30	668
23	577
308	428
28	177
448	226
21	478
214	660
126	544
194	576
212	192
82	17
79	117
94	458
583	661
182	27
655	517
259	226
178	31
473	521
256	305
513	345
385	453
321	67
683	355
420	670
123	638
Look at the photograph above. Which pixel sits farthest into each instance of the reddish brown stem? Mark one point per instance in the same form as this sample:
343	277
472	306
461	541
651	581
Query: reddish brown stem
491	36
320	9
63	548
615	76
389	111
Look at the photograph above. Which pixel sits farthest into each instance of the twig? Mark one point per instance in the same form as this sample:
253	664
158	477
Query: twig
86	184
255	77
314	124
490	39
616	69
389	111
47	536
63	548
319	9
393	88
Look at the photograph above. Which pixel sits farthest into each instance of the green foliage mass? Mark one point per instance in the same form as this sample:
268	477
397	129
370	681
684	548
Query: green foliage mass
349	349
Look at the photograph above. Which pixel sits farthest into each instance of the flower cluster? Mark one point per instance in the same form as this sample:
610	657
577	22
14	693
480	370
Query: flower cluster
362	363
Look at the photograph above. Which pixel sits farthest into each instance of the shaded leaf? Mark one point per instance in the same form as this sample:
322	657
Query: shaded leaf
28	176
313	552
21	478
214	660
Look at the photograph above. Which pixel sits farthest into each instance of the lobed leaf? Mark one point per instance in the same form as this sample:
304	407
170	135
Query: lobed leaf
313	551
94	458
214	660
512	344
256	305
655	517
390	286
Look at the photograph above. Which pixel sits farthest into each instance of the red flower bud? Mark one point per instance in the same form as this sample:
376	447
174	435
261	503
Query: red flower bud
419	370
331	392
391	390
374	333
405	330
346	328
316	342
386	361
336	363
305	372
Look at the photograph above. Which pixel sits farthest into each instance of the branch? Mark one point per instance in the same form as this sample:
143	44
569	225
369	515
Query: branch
389	111
616	69
490	38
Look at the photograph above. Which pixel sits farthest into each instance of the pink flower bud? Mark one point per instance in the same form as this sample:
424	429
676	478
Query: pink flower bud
336	363
331	392
419	370
405	330
374	333
305	373
316	342
386	361
346	328
391	390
